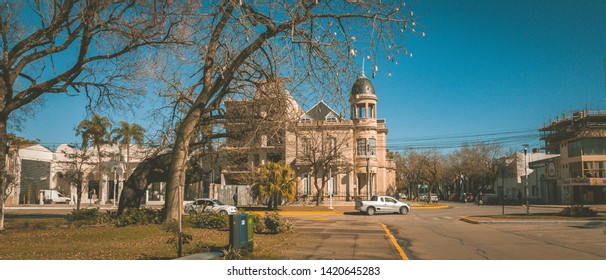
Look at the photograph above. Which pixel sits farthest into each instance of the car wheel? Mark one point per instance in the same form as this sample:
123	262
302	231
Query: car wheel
370	211
192	212
403	210
223	212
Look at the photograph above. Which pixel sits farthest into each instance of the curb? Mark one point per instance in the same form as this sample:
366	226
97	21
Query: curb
471	220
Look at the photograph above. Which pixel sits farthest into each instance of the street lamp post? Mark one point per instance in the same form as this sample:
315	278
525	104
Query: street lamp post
115	184
526	182
503	168
331	185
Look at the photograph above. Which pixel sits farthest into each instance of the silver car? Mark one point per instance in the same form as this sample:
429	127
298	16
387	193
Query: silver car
208	204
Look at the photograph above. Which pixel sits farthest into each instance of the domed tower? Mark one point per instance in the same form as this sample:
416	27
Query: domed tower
363	102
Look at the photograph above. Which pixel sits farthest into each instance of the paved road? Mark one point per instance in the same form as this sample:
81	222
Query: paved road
439	234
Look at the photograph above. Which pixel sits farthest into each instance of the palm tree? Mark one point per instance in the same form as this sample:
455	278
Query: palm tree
126	134
273	180
95	133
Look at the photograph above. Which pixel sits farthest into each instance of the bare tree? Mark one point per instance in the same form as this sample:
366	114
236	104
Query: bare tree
479	163
411	164
312	42
323	152
78	163
76	47
432	170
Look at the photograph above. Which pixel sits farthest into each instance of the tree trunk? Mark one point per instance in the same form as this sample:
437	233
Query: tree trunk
150	170
2	213
178	164
3	171
79	194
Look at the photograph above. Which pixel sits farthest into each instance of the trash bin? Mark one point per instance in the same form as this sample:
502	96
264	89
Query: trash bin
241	229
250	226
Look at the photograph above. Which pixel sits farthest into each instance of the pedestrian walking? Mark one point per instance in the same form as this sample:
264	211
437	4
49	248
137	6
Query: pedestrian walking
235	197
519	196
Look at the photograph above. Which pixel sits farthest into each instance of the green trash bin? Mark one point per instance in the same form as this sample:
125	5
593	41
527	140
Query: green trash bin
250	231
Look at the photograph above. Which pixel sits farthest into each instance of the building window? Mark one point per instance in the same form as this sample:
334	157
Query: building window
372	143
575	169
306	146
594	169
305	185
589	146
361	111
330	146
362	147
305	119
371	111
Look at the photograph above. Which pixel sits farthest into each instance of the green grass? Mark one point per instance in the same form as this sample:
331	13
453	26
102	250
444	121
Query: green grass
60	242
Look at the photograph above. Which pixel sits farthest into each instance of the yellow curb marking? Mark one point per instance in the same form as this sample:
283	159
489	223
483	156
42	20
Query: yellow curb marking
318	219
294	213
395	243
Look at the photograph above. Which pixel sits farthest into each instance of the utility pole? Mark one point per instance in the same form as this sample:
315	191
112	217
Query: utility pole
526	182
368	190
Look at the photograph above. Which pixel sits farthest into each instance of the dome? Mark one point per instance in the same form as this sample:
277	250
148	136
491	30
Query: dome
362	86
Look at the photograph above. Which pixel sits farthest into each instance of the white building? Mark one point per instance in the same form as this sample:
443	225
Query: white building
38	168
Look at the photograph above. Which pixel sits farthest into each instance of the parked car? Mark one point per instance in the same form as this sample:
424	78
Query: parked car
434	197
382	204
207	204
53	196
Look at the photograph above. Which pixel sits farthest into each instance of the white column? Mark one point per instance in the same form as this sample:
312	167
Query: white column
103	187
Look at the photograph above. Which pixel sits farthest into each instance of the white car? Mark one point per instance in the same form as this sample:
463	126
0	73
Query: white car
207	204
434	197
382	204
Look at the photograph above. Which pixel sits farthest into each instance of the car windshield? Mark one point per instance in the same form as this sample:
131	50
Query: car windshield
218	202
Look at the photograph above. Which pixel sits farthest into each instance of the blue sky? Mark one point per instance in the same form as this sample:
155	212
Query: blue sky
484	69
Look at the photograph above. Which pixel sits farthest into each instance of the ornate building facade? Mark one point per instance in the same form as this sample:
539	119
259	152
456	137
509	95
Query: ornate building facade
330	153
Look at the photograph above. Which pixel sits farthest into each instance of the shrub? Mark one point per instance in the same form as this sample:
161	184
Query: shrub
287	226
578	211
209	220
141	216
274	223
258	223
87	216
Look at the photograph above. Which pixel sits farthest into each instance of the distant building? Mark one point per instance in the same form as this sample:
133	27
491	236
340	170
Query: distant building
512	178
343	157
580	140
38	168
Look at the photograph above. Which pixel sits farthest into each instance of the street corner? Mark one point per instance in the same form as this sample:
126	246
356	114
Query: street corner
429	206
471	220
